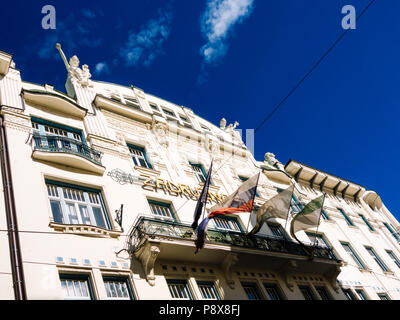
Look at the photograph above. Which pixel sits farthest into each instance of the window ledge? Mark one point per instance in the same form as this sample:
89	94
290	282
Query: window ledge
147	171
389	273
85	230
354	227
365	270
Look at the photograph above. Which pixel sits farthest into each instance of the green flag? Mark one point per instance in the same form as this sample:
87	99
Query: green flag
308	217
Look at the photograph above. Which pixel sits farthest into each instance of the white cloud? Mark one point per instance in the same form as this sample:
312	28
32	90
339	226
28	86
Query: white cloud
102	67
217	22
145	45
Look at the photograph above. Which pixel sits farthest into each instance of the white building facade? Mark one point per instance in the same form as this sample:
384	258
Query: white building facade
105	181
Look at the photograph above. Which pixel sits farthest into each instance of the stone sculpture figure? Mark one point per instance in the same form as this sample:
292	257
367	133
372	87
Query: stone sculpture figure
82	76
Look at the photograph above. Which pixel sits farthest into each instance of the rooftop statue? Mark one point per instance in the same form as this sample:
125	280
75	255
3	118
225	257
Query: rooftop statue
82	76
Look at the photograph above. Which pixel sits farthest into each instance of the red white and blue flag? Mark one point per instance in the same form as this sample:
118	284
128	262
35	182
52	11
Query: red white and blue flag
241	200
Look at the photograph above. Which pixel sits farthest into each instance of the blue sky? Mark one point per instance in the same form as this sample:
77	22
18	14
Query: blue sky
237	59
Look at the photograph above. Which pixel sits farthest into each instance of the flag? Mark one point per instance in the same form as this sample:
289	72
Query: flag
276	207
308	217
240	201
202	199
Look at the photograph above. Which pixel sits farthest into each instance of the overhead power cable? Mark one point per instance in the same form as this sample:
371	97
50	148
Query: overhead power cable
312	68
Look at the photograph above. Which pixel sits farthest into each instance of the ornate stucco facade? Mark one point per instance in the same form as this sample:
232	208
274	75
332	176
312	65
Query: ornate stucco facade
105	180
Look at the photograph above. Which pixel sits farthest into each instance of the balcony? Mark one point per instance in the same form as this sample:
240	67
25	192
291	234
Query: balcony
68	152
170	240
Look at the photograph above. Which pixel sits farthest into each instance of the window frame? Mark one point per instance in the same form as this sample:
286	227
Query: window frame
121	279
165	205
196	173
281	234
65	204
393	257
68	129
212	286
361	294
367	223
322	238
346	217
180	282
309	291
253	285
77	277
394	234
383	295
354	255
276	288
349	294
324	291
136	159
377	259
230	220
325	216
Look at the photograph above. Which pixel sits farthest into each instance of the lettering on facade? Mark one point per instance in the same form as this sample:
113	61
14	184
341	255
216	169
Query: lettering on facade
155	184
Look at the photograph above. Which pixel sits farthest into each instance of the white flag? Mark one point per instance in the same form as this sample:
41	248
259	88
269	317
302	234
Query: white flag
276	207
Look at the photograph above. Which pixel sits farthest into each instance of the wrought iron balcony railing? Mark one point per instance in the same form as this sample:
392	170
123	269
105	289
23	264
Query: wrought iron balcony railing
153	227
52	143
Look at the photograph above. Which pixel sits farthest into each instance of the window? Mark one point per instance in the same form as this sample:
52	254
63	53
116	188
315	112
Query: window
199	172
307	293
377	259
361	294
367	223
118	288
273	291
276	230
76	205
383	296
183	118
154	107
169	113
349	222
179	289
325	215
132	102
76	287
295	205
139	156
323	293
349	294
227	223
252	291
394	234
394	258
56	136
161	209
208	290
317	239
353	255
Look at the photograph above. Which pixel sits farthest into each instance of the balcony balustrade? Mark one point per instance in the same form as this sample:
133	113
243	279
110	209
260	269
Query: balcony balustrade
63	144
158	229
66	151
